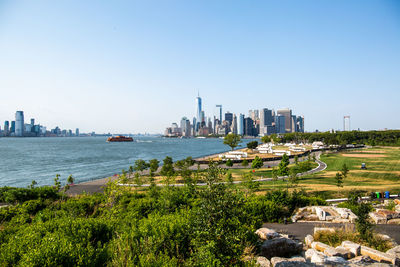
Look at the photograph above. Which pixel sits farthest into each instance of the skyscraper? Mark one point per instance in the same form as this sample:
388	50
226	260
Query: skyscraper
229	117
288	118
6	127
280	122
241	124
77	131
234	124
19	123
249	127
220	113
198	105
300	124
266	119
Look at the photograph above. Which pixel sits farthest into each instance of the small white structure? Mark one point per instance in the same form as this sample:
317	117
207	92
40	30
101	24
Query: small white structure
233	155
281	152
317	145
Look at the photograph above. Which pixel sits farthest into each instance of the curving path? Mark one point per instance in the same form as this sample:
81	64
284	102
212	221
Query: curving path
321	166
96	186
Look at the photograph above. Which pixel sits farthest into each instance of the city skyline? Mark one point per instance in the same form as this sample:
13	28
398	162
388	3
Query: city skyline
85	63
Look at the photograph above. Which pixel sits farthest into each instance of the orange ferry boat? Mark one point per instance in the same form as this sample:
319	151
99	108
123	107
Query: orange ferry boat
119	138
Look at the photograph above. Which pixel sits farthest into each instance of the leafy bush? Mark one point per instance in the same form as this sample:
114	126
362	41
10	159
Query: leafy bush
229	163
252	145
19	195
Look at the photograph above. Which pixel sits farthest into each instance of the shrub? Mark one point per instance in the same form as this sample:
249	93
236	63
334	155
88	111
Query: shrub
229	163
257	163
252	145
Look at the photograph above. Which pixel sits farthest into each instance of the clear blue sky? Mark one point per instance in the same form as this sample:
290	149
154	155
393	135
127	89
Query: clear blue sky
136	66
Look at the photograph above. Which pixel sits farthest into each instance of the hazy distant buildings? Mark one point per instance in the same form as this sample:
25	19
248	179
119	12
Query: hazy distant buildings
241	124
19	123
229	117
287	113
280	124
259	123
6	128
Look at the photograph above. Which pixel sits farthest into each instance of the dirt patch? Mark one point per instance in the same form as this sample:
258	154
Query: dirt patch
372	151
363	155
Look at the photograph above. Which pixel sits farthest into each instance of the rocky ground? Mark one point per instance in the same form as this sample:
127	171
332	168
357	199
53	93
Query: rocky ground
281	250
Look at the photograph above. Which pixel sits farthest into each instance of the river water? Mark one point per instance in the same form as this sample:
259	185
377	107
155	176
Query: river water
87	158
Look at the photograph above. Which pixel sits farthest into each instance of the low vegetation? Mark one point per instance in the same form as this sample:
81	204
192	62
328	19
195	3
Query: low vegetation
173	226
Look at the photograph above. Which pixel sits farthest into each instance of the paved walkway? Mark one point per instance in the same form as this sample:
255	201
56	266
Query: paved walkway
300	229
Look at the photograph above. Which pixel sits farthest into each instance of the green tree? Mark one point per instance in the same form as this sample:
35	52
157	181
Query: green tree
154	164
296	159
339	179
293	178
33	184
168	167
245	163
283	169
232	140
140	165
138	180
70	180
229	178
252	145
249	182
266	139
229	163
257	163
57	183
345	170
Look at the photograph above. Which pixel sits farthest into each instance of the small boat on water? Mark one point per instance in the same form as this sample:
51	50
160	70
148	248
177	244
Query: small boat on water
120	138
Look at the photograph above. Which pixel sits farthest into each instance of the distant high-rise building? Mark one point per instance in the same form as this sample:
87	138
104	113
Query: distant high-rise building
300	124
241	124
185	126
266	119
220	113
229	117
12	129
32	122
254	114
6	128
77	131
198	106
280	124
249	127
19	123
234	124
288	118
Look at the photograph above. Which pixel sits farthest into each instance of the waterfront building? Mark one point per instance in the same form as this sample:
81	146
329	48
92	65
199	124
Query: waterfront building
185	127
6	128
12	129
241	124
287	113
77	131
229	117
19	123
32	122
280	124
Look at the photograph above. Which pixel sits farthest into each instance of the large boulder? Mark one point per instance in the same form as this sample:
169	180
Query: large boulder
266	233
366	261
263	262
352	247
308	240
289	262
315	256
280	247
394	251
335	261
380	256
321	246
